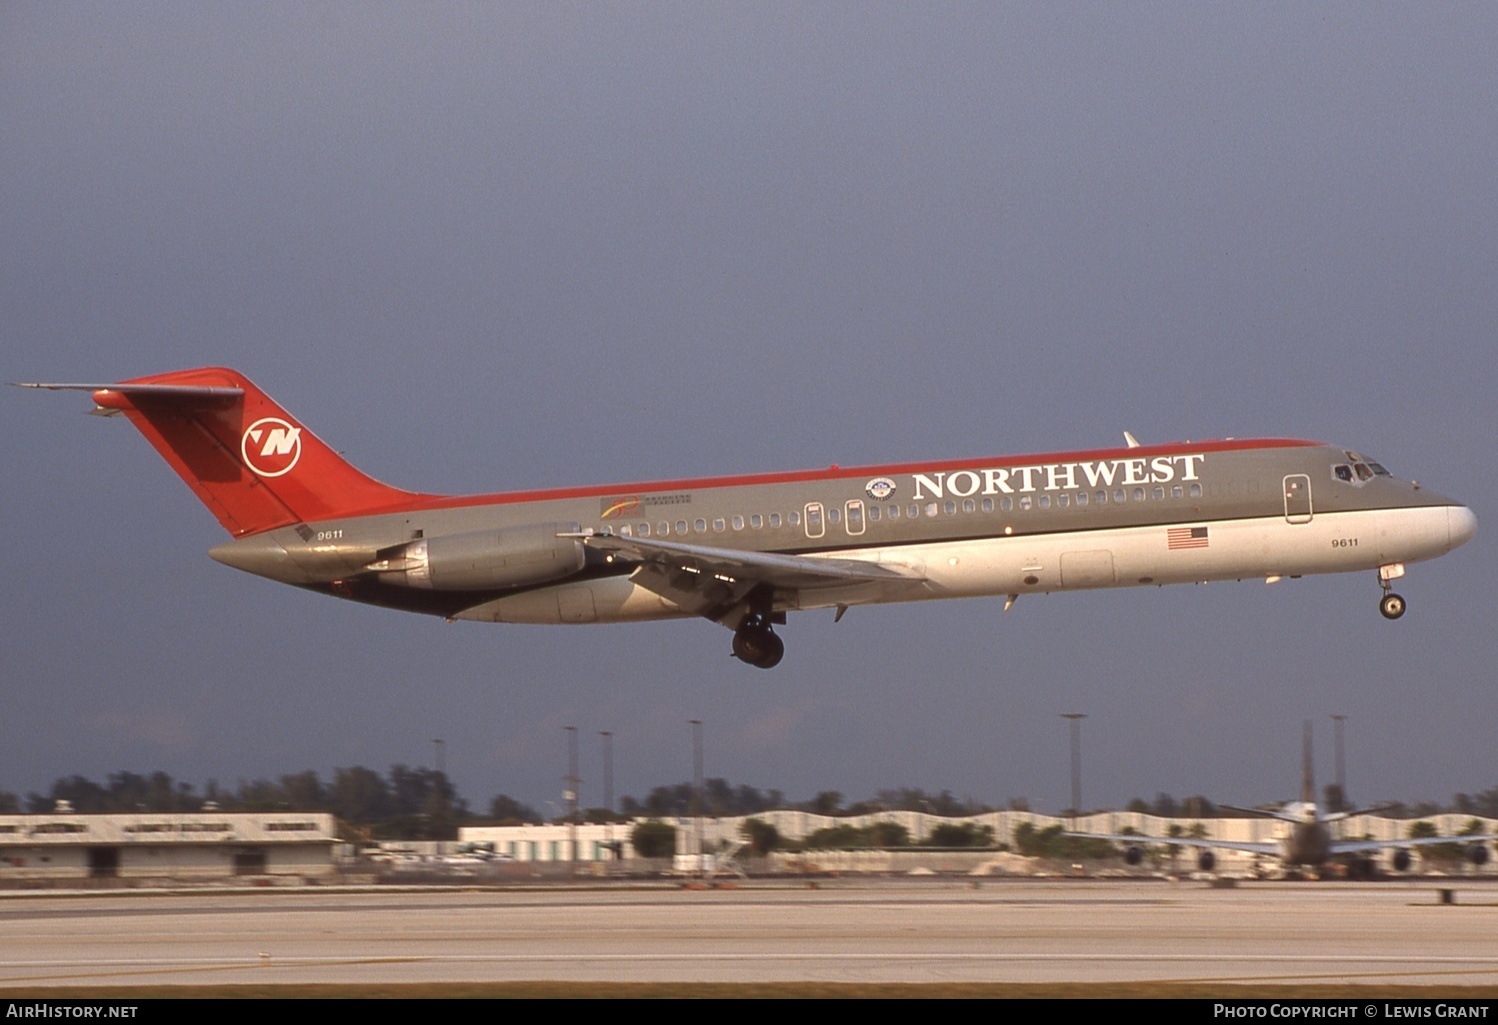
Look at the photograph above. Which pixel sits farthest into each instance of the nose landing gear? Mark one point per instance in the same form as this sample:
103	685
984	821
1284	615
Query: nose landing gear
1391	605
755	642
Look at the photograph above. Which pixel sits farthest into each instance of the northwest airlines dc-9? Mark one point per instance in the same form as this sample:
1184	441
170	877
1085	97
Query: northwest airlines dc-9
745	551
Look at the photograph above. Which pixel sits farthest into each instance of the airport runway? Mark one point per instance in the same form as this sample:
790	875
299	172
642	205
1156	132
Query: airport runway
1010	931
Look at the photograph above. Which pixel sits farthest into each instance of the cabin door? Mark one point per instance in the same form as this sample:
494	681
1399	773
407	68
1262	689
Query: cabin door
1298	498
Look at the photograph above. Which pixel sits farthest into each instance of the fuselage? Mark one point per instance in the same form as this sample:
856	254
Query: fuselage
1014	525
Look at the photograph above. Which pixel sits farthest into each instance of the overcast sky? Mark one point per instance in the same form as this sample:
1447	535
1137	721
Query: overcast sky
493	246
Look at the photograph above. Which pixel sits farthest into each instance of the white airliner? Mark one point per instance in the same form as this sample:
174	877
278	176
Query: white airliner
744	551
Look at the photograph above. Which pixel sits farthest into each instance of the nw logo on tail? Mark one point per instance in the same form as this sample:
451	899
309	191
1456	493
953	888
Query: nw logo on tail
271	446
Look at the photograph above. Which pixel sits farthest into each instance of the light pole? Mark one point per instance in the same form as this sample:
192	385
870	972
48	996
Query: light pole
1337	721
570	793
697	788
608	791
1076	763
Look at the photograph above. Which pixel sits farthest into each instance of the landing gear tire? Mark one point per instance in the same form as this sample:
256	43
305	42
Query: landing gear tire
755	642
1391	606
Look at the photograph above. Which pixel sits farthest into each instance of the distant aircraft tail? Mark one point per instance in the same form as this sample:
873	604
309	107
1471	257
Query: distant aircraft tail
249	461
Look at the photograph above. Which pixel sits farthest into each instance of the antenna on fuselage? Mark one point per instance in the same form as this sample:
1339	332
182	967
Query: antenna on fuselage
1132	441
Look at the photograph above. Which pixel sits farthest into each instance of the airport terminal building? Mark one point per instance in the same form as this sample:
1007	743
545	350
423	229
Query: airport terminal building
166	848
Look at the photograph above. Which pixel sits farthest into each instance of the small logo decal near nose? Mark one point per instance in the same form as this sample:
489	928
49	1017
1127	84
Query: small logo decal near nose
271	446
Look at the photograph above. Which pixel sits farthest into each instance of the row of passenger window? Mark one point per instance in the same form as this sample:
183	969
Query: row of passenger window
857	511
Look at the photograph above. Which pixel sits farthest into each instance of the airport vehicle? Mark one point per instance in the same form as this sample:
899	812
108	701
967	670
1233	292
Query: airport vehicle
744	551
1308	843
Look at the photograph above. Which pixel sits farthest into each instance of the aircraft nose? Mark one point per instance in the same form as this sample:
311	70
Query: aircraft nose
1461	524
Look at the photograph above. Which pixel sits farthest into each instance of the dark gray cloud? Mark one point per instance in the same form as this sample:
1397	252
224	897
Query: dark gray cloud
482	247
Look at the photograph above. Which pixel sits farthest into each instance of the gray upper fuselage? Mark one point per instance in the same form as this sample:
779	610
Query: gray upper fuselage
845	510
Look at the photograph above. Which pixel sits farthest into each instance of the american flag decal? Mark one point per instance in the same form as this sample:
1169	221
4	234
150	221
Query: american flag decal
1185	537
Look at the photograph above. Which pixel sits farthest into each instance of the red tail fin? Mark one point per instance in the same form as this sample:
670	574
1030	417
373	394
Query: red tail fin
248	460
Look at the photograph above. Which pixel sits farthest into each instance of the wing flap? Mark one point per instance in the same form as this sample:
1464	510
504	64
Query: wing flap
709	581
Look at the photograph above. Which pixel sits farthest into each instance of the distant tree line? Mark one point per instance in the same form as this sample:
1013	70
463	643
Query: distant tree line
721	799
417	803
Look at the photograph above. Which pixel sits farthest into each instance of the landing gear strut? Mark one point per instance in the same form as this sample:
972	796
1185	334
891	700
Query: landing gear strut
755	642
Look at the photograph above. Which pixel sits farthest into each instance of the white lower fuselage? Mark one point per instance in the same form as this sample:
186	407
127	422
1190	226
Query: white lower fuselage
1264	548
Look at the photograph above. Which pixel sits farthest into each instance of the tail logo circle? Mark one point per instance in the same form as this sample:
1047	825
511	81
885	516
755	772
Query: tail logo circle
271	446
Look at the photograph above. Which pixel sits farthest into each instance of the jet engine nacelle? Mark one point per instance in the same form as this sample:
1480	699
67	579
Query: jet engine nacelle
1133	854
1478	854
1206	860
1401	860
484	560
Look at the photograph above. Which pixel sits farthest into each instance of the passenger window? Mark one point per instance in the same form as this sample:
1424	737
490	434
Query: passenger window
718	525
1024	502
894	512
1139	494
644	530
774	519
701	525
951	508
988	505
833	515
1081	498
756	521
1159	493
625	530
664	529
1062	501
794	519
873	512
1043	502
681	526
931	509
1196	491
1006	503
738	522
1120	495
1176	492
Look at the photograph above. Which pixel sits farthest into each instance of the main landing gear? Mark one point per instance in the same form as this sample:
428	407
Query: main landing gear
755	642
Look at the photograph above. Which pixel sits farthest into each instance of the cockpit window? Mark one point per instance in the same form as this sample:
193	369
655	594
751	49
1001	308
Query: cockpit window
1362	470
1379	470
1343	472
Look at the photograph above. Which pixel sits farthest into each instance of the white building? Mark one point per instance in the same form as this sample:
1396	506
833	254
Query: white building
166	847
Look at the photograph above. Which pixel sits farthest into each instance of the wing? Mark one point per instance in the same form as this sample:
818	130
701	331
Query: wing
711	582
1358	846
1185	841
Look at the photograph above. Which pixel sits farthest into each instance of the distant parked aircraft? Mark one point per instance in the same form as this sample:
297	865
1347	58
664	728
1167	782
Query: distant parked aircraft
1309	843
